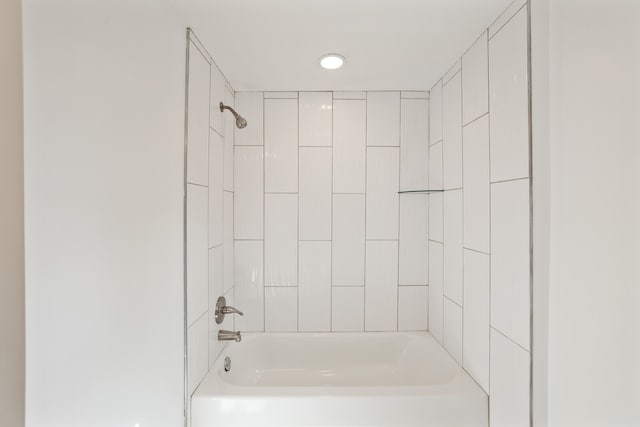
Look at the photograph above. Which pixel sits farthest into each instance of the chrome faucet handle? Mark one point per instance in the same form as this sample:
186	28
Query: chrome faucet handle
229	335
222	308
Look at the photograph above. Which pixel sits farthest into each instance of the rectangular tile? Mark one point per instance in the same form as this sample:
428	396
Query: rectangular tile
281	95
216	289
216	188
281	240
314	286
217	96
452	133
435	113
509	88
381	289
435	290
249	284
383	118
382	192
435	166
281	309
475	174
414	247
414	94
451	72
476	317
315	193
197	248
505	16
413	308
316	113
250	106
198	118
228	240
229	126
249	193
349	95
348	244
414	144
452	329
281	145
510	273
509	403
349	146
436	222
453	243
475	77
198	352
347	309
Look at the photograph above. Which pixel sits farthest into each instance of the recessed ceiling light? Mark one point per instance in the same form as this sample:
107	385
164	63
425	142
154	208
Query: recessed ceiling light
332	61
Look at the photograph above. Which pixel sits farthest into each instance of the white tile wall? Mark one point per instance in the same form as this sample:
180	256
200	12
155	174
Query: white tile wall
281	309
281	239
249	284
348	245
475	75
216	289
229	131
383	119
281	145
314	286
414	144
381	287
349	146
436	222
315	109
216	188
453	287
217	96
315	193
476	185
198	352
383	164
452	132
228	241
250	104
413	308
249	194
435	113
414	248
197	250
198	118
347	309
435	290
452	329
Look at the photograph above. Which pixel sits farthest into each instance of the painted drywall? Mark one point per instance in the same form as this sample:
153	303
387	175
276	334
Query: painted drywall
11	218
594	331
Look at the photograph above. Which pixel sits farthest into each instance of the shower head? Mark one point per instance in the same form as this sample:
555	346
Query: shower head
241	123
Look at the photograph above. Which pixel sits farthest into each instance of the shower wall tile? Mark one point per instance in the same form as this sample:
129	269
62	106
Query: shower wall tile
216	188
435	166
315	193
349	146
383	119
349	95
250	105
452	133
435	113
229	126
414	144
451	72
281	145
381	288
413	308
414	94
347	309
249	284
414	247
476	185
281	95
315	110
508	86
216	276
475	75
198	118
435	290
382	192
281	309
197	248
452	329
436	223
453	244
314	286
198	352
228	240
281	240
509	12
217	96
348	242
249	196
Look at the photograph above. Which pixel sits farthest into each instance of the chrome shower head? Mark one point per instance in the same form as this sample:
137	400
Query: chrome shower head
241	123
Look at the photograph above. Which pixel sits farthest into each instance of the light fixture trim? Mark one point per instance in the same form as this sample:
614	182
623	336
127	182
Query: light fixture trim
332	61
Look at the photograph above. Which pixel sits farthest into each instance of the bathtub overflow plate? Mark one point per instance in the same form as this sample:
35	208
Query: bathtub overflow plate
227	364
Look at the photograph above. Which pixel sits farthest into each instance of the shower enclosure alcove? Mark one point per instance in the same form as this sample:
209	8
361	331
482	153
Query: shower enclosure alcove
362	232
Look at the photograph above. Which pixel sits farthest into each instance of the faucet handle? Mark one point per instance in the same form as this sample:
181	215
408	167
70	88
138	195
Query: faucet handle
222	308
227	309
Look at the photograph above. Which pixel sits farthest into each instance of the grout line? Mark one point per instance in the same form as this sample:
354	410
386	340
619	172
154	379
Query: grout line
475	250
509	180
508	20
493	328
475	120
199	185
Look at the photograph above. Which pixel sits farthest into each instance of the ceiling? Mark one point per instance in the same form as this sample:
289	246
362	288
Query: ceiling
389	44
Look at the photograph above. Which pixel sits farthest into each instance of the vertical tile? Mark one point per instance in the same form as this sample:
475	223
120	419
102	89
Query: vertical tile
228	240
382	192
413	308
452	329
281	240
229	126
509	403
348	244
383	119
349	95
217	96
347	309
414	247
475	78
510	302
435	166
452	133
281	309
414	144
198	352
216	176
476	317
381	287
314	286
436	222
216	289
281	145
249	196
250	106
198	118
197	250
435	290
476	185
453	245
249	284
315	109
315	193
505	16
435	113
414	94
281	95
349	146
509	98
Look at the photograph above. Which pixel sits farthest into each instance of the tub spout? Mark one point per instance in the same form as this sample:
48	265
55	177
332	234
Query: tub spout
229	335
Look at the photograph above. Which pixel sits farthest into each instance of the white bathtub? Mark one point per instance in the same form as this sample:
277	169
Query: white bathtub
340	379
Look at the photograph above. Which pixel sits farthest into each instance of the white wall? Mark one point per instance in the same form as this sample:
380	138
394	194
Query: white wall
11	218
323	242
594	306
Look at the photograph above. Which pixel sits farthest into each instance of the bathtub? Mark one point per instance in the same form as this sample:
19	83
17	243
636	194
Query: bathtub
338	379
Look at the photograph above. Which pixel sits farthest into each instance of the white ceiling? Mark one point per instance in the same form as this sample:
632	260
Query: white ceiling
389	44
